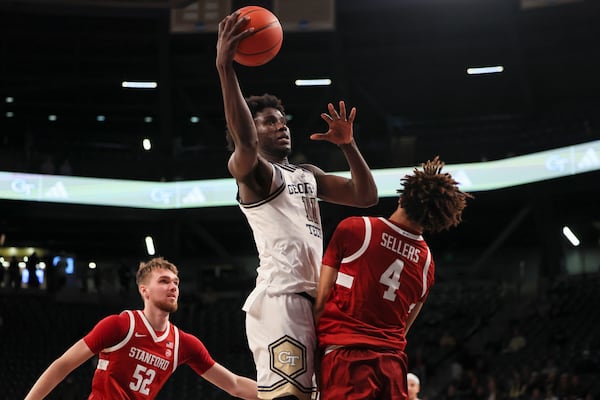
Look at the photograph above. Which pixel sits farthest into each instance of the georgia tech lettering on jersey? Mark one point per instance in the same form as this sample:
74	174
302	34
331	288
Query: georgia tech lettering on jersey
314	230
148	358
301	188
396	245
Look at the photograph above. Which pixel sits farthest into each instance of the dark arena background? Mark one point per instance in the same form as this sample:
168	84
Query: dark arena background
514	312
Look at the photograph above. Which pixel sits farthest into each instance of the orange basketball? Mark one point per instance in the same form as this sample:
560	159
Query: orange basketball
264	44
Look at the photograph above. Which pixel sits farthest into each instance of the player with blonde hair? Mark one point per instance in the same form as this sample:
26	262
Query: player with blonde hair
138	350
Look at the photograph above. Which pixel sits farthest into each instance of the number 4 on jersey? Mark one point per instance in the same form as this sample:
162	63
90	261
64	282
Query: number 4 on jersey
391	279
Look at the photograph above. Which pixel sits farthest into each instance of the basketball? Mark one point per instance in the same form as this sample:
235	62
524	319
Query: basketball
264	44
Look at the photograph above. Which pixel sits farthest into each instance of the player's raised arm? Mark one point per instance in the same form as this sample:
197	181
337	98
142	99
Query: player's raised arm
240	123
358	191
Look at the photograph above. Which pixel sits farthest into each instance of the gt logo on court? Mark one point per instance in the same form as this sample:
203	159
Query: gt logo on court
288	357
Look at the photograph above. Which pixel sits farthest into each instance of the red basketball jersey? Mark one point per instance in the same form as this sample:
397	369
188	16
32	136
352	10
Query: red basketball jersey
134	361
383	271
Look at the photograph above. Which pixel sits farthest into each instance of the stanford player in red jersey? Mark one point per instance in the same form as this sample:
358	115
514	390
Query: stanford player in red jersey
138	350
376	275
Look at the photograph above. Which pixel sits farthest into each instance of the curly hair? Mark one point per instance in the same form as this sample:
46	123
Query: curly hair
432	198
146	268
257	104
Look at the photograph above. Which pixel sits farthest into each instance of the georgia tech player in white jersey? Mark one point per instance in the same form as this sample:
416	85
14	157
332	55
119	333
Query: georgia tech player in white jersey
258	137
290	252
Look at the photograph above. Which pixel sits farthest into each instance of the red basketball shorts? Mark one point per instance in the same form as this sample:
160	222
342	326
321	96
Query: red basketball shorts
361	374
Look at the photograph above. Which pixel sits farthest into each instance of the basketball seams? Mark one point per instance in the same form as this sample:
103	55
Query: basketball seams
241	53
263	28
266	26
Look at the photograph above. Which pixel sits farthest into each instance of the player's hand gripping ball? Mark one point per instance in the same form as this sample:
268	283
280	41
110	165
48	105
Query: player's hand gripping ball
264	44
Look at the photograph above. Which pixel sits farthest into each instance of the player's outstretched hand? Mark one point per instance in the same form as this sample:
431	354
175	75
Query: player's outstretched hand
340	126
231	32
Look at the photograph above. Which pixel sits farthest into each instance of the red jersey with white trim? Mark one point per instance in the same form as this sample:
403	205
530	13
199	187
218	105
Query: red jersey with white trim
135	361
383	271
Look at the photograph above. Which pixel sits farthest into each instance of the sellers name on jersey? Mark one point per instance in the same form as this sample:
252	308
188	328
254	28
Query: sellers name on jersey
406	250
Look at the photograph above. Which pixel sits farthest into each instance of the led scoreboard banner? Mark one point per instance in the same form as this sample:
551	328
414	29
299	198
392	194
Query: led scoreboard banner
472	177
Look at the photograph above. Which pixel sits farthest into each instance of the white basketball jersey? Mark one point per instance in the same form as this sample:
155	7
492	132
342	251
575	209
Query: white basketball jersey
287	232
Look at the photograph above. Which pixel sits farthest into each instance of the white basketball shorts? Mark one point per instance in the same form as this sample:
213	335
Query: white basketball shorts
281	335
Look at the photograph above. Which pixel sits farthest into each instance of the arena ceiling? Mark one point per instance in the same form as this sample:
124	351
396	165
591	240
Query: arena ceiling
402	63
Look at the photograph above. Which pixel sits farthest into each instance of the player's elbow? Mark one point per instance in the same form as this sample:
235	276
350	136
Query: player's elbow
373	199
369	199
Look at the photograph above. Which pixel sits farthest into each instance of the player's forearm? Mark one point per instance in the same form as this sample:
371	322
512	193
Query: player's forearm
59	369
245	389
318	310
235	385
55	374
327	278
238	116
364	188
